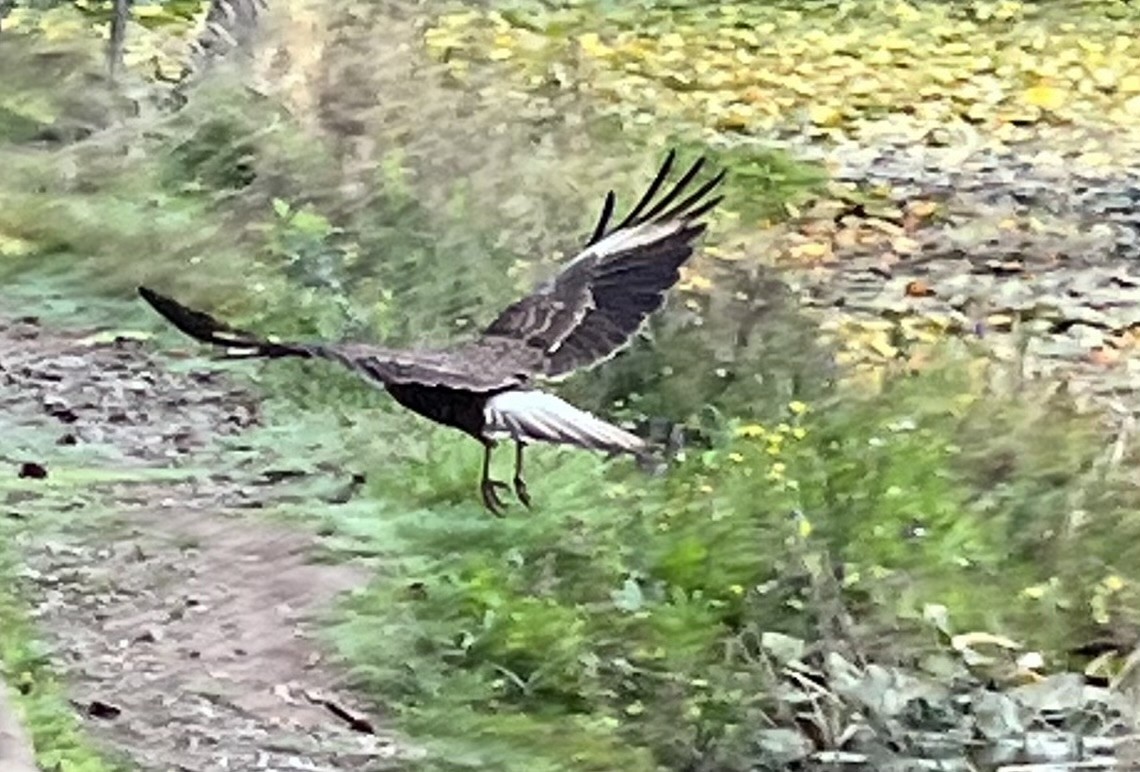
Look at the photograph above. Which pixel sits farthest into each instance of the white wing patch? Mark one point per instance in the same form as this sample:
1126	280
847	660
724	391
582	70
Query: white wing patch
625	239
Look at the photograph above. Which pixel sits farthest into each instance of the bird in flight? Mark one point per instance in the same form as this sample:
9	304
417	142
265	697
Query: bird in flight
486	387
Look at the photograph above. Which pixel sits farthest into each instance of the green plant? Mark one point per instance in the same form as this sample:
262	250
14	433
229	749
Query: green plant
626	616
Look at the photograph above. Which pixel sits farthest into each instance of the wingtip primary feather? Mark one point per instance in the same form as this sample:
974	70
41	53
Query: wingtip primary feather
634	215
198	324
666	207
604	219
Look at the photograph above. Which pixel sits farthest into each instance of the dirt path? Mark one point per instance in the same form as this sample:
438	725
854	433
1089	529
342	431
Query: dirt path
179	616
15	746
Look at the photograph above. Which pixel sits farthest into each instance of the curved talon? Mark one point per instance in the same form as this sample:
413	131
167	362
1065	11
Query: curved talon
520	483
521	492
491	499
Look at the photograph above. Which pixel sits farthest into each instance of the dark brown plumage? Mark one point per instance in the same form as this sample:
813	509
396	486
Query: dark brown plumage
583	316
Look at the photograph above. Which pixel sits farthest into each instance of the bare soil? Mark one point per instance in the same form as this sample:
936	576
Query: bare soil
180	615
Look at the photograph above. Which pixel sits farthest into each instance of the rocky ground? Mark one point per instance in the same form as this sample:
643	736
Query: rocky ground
1030	249
178	615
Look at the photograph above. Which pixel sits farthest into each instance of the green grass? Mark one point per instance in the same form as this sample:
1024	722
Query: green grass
37	691
615	626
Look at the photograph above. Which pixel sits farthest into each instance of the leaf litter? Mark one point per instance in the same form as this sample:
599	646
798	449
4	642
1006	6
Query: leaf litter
180	621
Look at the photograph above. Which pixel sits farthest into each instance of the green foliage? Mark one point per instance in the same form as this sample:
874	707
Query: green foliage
78	103
218	156
625	616
155	14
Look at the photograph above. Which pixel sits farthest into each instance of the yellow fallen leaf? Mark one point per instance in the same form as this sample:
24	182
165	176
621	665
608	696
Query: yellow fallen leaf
1000	321
907	12
883	348
880	57
692	280
842	358
736	118
592	45
862	86
905	245
1132	106
1098	157
813	250
148	11
1045	97
824	115
751	431
1129	84
1008	10
1104	78
1106	665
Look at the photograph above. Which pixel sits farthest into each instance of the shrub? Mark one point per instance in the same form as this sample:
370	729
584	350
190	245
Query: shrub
622	622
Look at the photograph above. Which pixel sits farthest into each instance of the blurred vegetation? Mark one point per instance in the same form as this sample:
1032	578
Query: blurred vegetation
26	663
55	732
622	624
618	625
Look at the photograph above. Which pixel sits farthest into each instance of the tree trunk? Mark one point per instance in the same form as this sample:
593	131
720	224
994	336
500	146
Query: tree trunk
122	13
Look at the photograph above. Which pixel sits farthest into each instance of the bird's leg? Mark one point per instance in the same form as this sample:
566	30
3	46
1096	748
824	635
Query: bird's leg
520	483
487	486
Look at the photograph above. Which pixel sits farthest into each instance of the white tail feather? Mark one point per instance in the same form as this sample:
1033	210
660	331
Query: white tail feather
535	416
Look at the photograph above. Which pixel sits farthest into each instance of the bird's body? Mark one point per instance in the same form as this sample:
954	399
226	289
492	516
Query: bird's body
487	387
458	408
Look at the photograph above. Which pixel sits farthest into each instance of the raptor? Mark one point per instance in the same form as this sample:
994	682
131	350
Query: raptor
487	386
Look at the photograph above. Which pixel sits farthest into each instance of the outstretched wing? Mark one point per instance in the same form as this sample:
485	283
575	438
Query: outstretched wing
598	302
375	363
